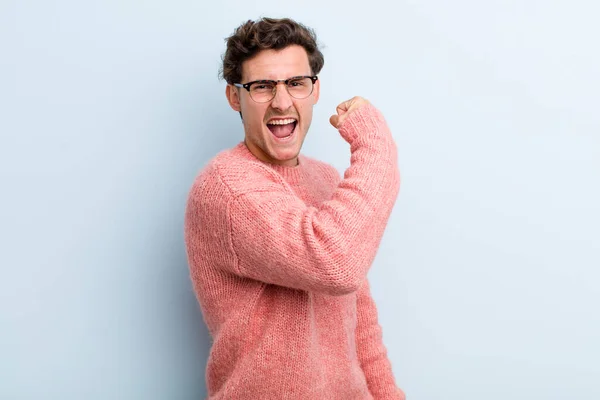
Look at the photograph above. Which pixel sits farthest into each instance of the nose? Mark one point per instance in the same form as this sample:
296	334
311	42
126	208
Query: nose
282	100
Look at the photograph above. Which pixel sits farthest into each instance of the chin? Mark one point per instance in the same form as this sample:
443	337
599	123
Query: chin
284	149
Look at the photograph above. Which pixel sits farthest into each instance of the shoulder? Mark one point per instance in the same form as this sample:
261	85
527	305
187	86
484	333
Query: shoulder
230	174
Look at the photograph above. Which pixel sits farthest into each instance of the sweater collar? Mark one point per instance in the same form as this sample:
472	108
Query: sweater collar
292	174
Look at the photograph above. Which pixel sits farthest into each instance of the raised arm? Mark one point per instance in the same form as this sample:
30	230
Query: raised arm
275	238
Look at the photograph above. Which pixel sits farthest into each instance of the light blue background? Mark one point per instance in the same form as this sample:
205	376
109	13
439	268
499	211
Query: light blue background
487	277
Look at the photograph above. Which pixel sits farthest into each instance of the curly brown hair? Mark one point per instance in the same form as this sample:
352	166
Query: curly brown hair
267	33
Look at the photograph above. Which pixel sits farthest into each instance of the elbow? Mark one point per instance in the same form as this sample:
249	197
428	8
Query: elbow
341	262
343	288
346	280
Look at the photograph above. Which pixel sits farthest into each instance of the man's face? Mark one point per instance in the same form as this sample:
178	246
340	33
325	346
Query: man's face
262	138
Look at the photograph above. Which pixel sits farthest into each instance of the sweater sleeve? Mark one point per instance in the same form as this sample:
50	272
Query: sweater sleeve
276	238
371	351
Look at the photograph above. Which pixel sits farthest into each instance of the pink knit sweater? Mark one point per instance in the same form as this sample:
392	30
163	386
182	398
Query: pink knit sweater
279	257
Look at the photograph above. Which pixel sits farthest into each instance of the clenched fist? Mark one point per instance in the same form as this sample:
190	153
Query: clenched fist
346	108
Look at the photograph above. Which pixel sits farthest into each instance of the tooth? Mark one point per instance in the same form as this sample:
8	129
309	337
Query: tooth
282	122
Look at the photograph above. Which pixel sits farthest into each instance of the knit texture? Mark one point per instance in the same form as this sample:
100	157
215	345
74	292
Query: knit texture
279	256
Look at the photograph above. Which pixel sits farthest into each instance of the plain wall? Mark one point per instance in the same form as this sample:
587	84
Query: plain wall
486	280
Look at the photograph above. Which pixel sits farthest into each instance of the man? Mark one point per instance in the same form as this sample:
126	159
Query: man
278	245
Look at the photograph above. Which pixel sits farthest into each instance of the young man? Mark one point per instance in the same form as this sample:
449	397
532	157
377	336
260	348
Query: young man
279	245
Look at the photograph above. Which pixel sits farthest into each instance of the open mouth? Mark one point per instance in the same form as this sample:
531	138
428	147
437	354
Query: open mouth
282	129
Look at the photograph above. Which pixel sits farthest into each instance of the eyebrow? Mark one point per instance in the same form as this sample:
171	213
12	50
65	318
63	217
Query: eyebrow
273	79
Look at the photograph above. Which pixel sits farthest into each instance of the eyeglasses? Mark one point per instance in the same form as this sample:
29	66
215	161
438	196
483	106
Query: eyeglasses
263	91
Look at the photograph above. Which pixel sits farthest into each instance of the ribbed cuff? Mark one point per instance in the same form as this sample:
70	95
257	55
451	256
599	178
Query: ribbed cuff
363	123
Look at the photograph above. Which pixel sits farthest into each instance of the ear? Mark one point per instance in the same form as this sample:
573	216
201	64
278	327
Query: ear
317	90
233	97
